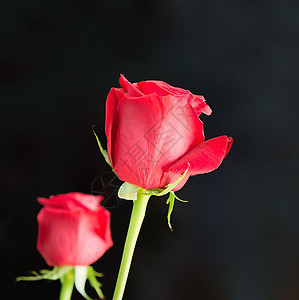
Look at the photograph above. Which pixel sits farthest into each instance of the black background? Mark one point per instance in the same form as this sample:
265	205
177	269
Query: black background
238	237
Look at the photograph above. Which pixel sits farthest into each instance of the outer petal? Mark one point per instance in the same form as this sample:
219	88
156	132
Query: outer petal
133	149
199	104
158	87
130	88
72	201
149	134
162	89
170	177
90	202
76	238
203	159
229	144
112	100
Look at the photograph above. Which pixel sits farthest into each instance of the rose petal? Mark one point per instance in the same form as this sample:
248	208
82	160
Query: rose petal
130	88
91	202
132	152
199	104
204	158
73	238
229	144
72	201
154	86
163	89
111	104
170	177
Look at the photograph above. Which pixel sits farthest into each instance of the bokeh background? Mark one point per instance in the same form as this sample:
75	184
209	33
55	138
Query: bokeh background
238	237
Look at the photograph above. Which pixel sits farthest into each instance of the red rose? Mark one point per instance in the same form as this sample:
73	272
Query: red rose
153	133
73	229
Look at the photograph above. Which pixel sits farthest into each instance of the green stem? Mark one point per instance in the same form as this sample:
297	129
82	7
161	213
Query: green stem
67	285
137	216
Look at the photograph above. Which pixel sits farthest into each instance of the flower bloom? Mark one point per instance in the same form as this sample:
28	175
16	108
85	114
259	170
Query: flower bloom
154	134
73	229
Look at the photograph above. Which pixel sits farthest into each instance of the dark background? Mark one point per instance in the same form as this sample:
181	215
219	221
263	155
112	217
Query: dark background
238	237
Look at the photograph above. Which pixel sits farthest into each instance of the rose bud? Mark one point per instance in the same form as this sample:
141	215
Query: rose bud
73	232
73	229
154	134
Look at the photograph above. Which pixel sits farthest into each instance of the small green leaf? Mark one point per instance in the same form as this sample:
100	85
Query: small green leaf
170	201
104	152
128	191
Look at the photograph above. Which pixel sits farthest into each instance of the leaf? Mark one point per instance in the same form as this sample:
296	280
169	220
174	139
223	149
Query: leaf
104	152
128	191
170	201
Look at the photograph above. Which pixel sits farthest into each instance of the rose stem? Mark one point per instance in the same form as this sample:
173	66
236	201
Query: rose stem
137	216
67	285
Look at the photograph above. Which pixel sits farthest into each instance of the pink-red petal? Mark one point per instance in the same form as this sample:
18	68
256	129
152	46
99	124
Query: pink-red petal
163	89
170	177
154	86
72	201
204	158
229	144
73	238
111	104
199	104
130	88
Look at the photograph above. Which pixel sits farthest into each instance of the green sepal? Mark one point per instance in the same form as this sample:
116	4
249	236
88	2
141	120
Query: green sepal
162	192
80	280
172	196
92	278
176	197
83	273
104	152
54	274
80	273
170	202
128	191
